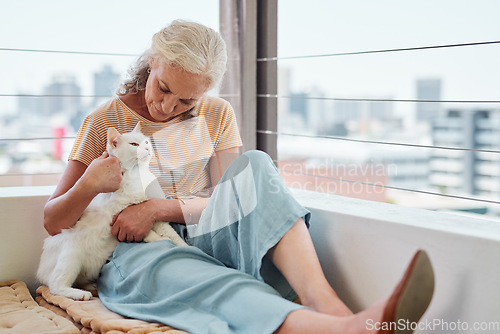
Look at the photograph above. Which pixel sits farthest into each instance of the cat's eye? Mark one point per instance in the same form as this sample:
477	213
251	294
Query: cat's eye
134	144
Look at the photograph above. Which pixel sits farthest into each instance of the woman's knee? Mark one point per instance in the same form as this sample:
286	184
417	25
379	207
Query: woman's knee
258	161
258	157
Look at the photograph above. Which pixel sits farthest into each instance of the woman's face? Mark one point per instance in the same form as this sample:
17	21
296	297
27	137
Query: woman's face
171	91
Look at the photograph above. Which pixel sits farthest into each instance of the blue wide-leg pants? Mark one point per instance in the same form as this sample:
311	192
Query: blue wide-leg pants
222	283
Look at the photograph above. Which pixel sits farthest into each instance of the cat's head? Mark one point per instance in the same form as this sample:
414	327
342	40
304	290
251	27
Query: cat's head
132	148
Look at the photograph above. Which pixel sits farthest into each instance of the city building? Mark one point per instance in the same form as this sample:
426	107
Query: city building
428	90
474	171
303	110
352	169
105	84
63	96
38	115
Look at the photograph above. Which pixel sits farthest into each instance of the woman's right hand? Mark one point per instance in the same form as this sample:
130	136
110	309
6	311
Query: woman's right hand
77	188
104	174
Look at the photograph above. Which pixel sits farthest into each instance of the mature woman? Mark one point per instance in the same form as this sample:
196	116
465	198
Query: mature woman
251	251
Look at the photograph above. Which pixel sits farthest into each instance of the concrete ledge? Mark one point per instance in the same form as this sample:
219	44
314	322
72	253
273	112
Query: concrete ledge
470	225
14	192
363	246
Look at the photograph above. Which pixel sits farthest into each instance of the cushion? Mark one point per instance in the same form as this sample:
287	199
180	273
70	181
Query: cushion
93	317
19	313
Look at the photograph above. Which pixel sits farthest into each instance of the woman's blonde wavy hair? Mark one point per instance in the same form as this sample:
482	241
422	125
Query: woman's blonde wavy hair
189	46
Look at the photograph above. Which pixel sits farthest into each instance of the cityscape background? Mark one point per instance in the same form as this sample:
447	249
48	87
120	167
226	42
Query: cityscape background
331	97
363	145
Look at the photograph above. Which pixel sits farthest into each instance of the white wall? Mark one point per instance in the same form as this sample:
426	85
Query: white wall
363	246
21	232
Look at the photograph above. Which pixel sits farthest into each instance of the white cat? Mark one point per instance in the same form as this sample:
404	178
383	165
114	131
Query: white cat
76	255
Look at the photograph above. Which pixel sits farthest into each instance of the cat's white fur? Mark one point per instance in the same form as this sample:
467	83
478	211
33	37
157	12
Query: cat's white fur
75	256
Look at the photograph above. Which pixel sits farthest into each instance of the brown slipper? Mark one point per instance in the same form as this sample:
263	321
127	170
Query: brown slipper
410	298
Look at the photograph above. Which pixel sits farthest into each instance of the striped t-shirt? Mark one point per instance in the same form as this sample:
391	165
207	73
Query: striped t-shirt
182	148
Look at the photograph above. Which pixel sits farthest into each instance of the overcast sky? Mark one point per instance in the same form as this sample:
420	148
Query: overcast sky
325	27
305	28
115	26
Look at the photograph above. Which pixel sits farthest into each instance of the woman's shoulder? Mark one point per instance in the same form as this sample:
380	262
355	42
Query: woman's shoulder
109	114
209	102
107	109
215	110
113	113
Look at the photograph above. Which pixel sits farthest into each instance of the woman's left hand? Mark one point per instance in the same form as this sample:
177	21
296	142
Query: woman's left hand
134	222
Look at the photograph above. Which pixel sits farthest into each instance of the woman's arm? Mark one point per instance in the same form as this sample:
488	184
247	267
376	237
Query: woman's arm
219	163
135	222
76	189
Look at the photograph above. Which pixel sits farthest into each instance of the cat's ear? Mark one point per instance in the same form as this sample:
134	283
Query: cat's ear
113	136
137	127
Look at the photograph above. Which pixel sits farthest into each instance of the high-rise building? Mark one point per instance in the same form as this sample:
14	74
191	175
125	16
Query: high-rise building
27	106
361	111
428	90
63	96
467	171
303	110
105	84
381	110
346	111
298	104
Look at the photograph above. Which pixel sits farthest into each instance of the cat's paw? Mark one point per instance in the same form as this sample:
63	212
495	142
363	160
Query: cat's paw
90	286
178	241
152	237
73	293
81	295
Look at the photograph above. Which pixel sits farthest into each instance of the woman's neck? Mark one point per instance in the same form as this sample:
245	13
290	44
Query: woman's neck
137	103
